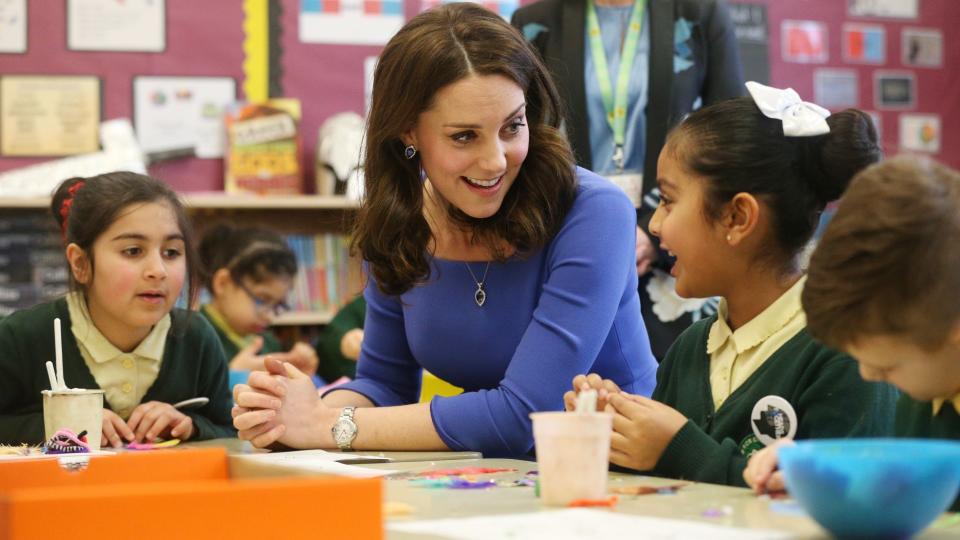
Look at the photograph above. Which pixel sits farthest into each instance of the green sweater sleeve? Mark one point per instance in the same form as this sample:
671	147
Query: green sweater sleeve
213	420
22	377
822	385
333	364
695	455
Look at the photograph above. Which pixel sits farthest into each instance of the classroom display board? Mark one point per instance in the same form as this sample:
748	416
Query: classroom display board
891	58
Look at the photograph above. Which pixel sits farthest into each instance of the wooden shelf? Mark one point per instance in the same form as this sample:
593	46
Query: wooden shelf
302	318
25	202
214	201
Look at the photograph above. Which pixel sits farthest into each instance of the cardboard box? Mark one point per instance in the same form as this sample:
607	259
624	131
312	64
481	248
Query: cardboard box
181	494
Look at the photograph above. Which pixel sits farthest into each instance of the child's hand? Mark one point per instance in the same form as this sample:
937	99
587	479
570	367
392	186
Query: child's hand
113	429
642	429
157	419
350	344
646	253
304	358
604	388
283	406
761	473
247	359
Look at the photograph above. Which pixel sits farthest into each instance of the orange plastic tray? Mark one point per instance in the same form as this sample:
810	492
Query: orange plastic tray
180	494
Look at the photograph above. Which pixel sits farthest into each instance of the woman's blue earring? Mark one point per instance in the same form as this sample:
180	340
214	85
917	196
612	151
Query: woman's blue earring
409	151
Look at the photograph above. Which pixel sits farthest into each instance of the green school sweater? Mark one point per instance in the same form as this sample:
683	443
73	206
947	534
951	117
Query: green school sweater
822	385
333	364
915	419
193	365
230	349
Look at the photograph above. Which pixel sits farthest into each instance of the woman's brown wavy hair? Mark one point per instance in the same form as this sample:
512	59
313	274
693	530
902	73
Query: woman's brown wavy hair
434	49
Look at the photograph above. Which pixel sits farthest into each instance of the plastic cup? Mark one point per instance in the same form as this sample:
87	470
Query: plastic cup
74	409
573	451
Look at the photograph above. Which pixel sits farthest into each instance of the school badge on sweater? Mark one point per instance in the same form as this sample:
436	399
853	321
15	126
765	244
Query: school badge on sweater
772	418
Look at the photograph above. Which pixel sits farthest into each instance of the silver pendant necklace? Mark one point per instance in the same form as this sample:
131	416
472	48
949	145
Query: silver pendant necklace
480	295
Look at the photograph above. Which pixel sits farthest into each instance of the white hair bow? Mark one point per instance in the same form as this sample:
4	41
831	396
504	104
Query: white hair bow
800	118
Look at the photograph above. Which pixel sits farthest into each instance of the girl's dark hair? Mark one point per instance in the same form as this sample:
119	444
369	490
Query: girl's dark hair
737	149
84	211
433	50
248	252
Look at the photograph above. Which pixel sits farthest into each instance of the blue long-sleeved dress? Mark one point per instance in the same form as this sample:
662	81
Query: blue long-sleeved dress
569	308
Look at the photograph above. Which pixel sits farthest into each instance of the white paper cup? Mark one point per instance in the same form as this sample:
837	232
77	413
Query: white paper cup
573	451
76	410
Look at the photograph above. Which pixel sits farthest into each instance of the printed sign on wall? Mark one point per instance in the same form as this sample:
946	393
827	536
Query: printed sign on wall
354	22
864	43
922	47
804	41
920	132
895	89
893	9
836	88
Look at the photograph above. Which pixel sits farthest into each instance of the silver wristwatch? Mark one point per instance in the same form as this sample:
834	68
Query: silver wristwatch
345	429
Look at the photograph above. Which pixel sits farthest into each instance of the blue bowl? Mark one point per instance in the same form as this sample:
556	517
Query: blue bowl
872	488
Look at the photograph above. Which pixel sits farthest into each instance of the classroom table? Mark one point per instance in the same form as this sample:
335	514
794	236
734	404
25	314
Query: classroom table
405	501
697	502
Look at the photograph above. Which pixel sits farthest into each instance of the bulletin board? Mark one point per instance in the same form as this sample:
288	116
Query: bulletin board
870	50
205	39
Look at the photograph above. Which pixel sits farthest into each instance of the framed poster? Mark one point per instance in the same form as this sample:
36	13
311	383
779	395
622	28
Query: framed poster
44	115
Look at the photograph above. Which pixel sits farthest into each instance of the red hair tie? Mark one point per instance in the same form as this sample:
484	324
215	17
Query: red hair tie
65	207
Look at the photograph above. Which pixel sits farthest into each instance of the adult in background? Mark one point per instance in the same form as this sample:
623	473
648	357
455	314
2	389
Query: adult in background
628	71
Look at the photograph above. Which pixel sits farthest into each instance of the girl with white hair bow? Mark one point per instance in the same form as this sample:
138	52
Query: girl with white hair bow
743	183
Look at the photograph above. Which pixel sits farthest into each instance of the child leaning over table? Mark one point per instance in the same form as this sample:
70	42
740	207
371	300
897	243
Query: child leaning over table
883	286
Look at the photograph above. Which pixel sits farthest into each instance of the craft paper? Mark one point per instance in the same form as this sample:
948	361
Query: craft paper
323	462
574	524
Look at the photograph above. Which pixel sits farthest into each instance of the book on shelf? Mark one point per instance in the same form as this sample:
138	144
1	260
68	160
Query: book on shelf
264	148
33	267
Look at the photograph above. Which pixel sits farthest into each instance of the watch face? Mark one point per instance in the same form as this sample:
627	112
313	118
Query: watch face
344	431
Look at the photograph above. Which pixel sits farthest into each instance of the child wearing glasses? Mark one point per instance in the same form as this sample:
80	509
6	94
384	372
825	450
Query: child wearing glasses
248	272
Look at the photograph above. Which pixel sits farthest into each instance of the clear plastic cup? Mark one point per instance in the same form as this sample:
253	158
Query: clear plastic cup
74	409
573	452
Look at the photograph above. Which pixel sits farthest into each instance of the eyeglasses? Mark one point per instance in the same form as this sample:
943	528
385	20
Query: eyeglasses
265	306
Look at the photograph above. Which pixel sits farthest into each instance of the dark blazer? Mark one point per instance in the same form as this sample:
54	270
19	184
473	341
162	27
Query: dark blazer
715	74
559	28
